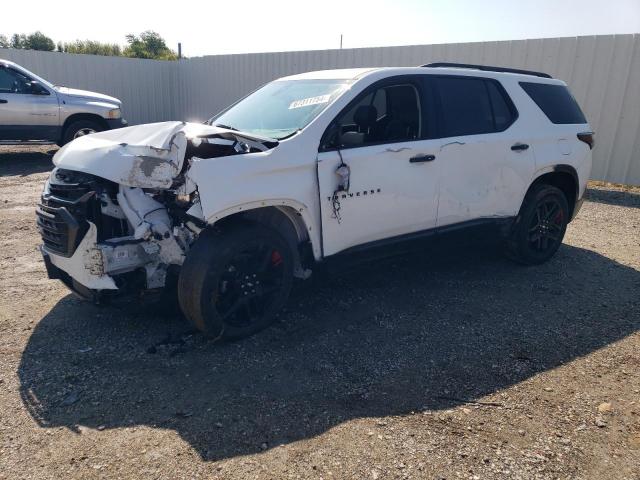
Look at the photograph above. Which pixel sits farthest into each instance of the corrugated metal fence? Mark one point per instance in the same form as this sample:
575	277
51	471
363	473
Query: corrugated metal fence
602	71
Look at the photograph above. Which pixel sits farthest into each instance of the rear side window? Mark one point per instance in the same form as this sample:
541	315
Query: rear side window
471	106
555	101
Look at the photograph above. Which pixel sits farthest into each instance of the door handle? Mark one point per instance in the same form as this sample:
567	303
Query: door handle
518	147
422	158
2	100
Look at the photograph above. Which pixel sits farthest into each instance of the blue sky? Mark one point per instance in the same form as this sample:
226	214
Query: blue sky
216	27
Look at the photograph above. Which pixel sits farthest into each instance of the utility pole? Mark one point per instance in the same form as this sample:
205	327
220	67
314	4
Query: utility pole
340	41
179	50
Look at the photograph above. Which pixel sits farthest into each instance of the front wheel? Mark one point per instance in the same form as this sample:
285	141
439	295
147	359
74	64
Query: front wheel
79	129
233	283
540	225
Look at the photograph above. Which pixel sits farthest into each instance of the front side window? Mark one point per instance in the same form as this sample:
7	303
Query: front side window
471	106
387	114
12	81
281	108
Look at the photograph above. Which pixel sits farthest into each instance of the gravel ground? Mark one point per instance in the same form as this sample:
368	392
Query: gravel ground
450	362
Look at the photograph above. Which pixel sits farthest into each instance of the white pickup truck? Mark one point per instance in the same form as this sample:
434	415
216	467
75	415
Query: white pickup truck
307	167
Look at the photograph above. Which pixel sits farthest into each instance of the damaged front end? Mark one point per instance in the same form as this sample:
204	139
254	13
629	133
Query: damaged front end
119	211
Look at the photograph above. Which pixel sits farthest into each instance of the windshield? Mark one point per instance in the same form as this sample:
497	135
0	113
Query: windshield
280	108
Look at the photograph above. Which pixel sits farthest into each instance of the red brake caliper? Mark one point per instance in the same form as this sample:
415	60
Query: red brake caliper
558	218
276	258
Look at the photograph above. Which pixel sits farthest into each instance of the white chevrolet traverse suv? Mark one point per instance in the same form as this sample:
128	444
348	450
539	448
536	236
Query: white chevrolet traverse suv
308	167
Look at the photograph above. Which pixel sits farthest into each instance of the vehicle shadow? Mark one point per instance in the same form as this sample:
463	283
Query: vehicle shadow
427	330
614	197
26	160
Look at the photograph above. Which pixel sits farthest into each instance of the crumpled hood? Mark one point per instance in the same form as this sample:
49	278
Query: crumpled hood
145	156
87	95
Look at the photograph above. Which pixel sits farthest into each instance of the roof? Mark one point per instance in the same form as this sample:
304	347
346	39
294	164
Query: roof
487	68
338	74
357	73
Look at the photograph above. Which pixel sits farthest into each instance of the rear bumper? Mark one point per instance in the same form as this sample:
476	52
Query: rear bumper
114	123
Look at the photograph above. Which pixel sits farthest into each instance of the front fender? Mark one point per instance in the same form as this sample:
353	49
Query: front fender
285	176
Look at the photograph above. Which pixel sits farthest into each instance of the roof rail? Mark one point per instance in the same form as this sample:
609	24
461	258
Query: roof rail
487	68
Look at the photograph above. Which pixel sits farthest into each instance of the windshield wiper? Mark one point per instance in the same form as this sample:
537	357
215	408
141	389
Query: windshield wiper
289	135
228	127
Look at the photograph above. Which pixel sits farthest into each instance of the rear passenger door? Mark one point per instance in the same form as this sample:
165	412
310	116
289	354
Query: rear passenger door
481	175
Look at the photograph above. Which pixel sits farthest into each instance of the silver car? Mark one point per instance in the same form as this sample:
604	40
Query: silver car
32	108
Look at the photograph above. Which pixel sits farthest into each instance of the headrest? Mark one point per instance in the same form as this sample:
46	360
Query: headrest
365	116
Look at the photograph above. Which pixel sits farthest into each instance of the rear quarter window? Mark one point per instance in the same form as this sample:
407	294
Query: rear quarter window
555	101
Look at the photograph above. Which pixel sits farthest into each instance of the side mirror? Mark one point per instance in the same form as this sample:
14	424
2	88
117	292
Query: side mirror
36	89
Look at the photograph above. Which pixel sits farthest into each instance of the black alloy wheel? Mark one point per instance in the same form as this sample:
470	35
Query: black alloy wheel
249	284
540	226
546	228
233	283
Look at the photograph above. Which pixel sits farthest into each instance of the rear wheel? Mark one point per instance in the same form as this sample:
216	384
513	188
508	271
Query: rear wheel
233	284
540	226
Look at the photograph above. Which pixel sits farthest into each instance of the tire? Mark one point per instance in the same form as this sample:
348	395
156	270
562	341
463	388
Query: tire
233	283
80	128
540	226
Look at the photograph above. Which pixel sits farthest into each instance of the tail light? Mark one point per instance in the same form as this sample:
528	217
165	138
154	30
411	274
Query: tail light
588	138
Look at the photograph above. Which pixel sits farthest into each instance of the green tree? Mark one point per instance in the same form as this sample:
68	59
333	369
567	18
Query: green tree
33	41
4	41
148	45
91	47
18	40
39	41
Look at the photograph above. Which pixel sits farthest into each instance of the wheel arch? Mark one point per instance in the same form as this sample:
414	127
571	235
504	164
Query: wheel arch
564	177
288	217
82	116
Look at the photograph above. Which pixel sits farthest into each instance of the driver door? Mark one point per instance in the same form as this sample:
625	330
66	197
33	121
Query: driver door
23	114
382	139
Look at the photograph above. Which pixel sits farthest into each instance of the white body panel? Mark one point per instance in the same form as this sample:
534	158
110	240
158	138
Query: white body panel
388	195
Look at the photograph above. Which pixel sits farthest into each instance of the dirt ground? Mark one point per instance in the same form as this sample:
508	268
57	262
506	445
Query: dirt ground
450	362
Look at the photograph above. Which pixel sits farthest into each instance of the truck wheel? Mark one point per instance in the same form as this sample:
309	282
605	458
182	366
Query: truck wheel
540	225
232	284
80	129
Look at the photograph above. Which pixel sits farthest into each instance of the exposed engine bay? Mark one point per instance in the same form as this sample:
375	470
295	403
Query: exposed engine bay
120	209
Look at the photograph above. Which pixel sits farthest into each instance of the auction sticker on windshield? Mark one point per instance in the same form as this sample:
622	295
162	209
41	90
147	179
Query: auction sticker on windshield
305	102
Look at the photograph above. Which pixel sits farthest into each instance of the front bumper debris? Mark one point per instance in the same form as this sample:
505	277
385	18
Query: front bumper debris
85	265
55	273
